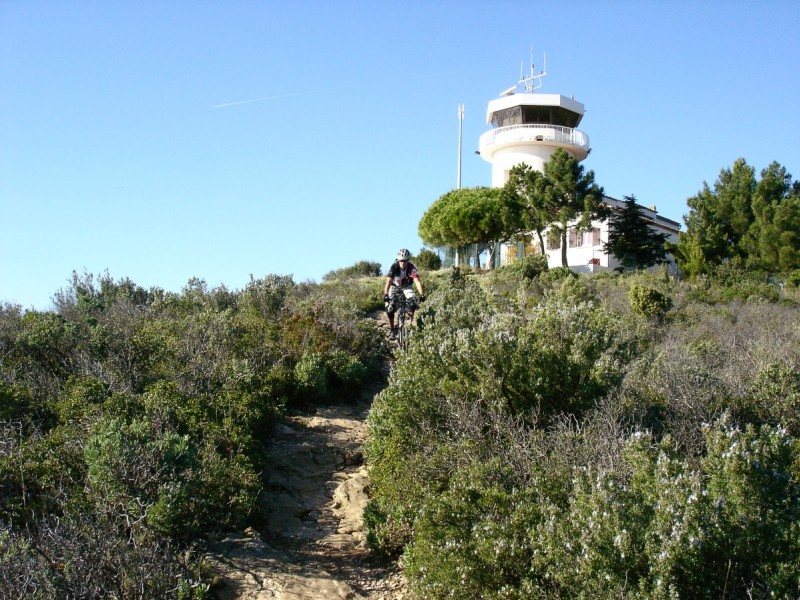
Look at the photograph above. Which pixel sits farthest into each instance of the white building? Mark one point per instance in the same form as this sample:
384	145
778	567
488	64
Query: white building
528	127
585	248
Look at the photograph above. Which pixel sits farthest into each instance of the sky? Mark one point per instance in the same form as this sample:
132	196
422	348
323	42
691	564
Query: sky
171	140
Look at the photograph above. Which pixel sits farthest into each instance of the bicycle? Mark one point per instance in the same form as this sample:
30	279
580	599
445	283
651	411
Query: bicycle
403	322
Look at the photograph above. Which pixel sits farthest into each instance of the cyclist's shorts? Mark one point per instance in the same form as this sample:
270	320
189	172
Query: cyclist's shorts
408	291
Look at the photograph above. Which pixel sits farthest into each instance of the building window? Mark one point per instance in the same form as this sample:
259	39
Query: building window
595	237
575	238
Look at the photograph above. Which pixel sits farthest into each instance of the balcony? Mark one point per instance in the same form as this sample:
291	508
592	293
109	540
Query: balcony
569	138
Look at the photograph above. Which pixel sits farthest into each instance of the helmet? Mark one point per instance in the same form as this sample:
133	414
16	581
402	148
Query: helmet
403	254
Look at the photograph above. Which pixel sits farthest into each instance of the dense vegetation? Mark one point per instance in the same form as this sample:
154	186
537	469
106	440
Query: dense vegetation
547	435
133	422
612	436
744	222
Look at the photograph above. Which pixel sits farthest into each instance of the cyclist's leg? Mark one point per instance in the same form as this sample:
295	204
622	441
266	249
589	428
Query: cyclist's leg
411	298
411	301
391	306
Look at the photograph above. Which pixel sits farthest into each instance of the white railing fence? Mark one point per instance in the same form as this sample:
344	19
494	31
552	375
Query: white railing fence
535	133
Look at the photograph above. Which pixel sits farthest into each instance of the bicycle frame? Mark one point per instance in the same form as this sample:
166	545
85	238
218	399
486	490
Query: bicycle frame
403	321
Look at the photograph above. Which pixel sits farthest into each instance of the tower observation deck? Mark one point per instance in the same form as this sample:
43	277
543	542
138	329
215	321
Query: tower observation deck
529	127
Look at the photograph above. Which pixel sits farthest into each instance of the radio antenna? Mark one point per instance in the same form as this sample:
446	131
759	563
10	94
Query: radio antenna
531	83
534	81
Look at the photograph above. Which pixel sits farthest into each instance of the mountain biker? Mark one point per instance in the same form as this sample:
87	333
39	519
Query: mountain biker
399	280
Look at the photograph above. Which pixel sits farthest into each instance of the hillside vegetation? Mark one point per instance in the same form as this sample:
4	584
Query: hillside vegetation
547	435
554	436
133	423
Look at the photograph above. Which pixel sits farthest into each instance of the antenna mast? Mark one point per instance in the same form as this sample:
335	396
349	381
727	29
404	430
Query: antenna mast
460	126
534	81
531	83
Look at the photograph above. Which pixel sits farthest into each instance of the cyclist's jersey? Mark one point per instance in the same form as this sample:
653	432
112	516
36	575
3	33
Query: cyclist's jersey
402	277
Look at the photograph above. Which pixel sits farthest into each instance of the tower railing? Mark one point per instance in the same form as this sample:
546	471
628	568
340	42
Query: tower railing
535	133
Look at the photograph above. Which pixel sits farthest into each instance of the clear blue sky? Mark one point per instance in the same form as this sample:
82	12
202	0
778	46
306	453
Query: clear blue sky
167	140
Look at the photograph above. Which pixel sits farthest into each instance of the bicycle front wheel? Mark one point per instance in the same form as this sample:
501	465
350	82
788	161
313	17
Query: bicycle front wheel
402	335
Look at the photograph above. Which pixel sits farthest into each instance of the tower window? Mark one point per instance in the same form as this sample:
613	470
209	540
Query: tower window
507	117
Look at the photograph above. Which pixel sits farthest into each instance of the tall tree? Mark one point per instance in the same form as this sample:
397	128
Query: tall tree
527	188
718	220
773	240
572	195
481	215
752	223
632	240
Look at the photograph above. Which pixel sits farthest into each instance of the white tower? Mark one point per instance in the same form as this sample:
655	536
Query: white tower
529	127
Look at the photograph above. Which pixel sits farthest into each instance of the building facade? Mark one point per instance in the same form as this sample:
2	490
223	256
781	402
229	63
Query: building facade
585	248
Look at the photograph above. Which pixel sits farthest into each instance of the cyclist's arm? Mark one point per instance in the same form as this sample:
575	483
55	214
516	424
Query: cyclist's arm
418	283
387	286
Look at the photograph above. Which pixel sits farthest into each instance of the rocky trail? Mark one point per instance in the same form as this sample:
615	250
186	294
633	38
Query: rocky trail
314	544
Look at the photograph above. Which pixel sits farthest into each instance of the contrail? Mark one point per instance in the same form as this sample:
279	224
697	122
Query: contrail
337	88
291	95
276	97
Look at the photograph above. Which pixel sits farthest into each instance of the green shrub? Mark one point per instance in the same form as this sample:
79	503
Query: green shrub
267	295
481	358
139	420
793	278
649	302
476	536
750	291
556	274
529	267
427	260
349	299
144	473
345	370
39	471
82	398
13	402
362	268
576	290
650	525
774	398
311	377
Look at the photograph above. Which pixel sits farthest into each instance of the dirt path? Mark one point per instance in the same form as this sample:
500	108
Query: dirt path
314	545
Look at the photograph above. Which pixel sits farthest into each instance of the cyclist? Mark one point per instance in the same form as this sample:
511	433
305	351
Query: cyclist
399	280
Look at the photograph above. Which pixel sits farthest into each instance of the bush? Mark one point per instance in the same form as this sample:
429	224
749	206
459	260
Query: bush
552	445
793	278
529	267
133	424
480	357
648	302
751	292
311	377
653	525
362	268
345	370
427	260
267	295
475	537
556	274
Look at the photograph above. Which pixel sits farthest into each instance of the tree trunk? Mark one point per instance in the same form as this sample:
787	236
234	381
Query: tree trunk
541	242
564	240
